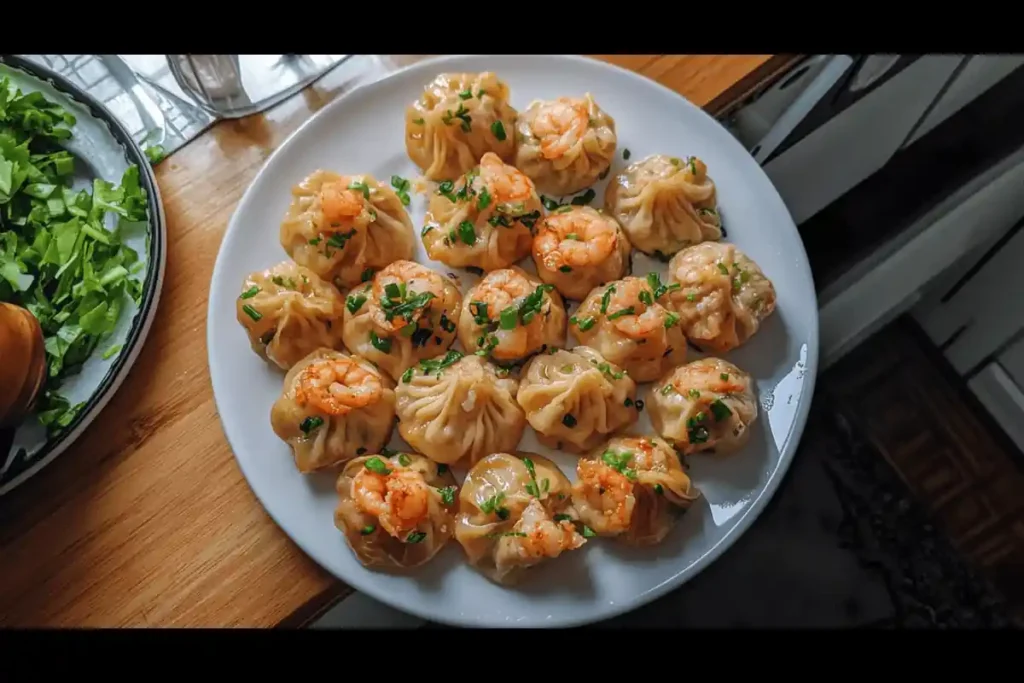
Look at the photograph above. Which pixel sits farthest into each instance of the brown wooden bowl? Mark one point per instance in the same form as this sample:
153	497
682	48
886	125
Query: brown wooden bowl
22	363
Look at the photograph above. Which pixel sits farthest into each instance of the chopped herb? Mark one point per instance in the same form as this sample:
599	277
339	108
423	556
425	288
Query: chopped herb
354	302
549	204
509	318
252	313
377	466
606	298
287	283
433	365
483	200
465	94
563	209
691	296
719	410
400	303
382	345
446	324
562	518
407	376
691	162
658	489
480	314
425	230
462	114
532	303
493	505
722	268
628	402
401	186
361	187
446	190
499	220
629	310
388	452
659	290
694	393
617	461
311	423
367	530
530	219
415	537
498	130
447	495
606	368
646	297
698	434
404	460
569	421
667	389
517	534
366	275
418	122
315	241
626	154
572	236
250	293
584	324
588	532
487	345
441	469
584	199
671	319
724	377
565	269
466	233
481	93
360	451
338	240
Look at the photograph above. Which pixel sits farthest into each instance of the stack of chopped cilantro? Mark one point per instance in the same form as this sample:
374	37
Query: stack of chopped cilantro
57	258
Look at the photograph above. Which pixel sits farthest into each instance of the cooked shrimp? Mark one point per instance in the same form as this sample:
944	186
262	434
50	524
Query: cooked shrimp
630	315
704	376
694	170
506	183
576	238
642	452
559	125
337	386
400	499
536	536
339	203
608	492
408	280
502	289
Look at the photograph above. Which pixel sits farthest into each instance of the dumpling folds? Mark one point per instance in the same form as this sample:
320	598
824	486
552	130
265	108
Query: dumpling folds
575	398
706	405
723	296
484	219
395	512
627	323
510	315
341	226
459	118
456	407
577	248
632	488
288	312
408	312
513	514
332	408
664	204
566	144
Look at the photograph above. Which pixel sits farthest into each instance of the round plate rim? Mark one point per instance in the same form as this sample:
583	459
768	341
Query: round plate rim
749	514
152	287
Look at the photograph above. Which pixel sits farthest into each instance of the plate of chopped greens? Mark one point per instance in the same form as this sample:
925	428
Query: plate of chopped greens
82	247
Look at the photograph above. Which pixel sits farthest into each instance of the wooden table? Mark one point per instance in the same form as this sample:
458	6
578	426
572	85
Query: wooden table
147	520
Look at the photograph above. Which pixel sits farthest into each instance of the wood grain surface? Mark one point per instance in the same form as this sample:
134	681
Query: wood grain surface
147	520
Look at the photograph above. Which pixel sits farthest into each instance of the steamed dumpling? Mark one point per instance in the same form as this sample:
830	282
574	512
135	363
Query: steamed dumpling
565	145
578	248
408	312
397	511
722	297
513	515
706	405
288	312
340	227
332	408
627	323
632	488
484	219
664	204
510	315
575	398
459	407
458	119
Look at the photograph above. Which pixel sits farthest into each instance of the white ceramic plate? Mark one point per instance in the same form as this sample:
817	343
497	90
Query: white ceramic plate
103	148
362	132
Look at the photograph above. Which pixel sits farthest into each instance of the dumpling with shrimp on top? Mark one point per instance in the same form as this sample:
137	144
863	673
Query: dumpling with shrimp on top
627	322
664	204
457	119
459	407
288	312
704	406
396	512
341	226
514	513
510	315
722	295
578	248
566	144
632	488
484	219
333	407
406	313
574	398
